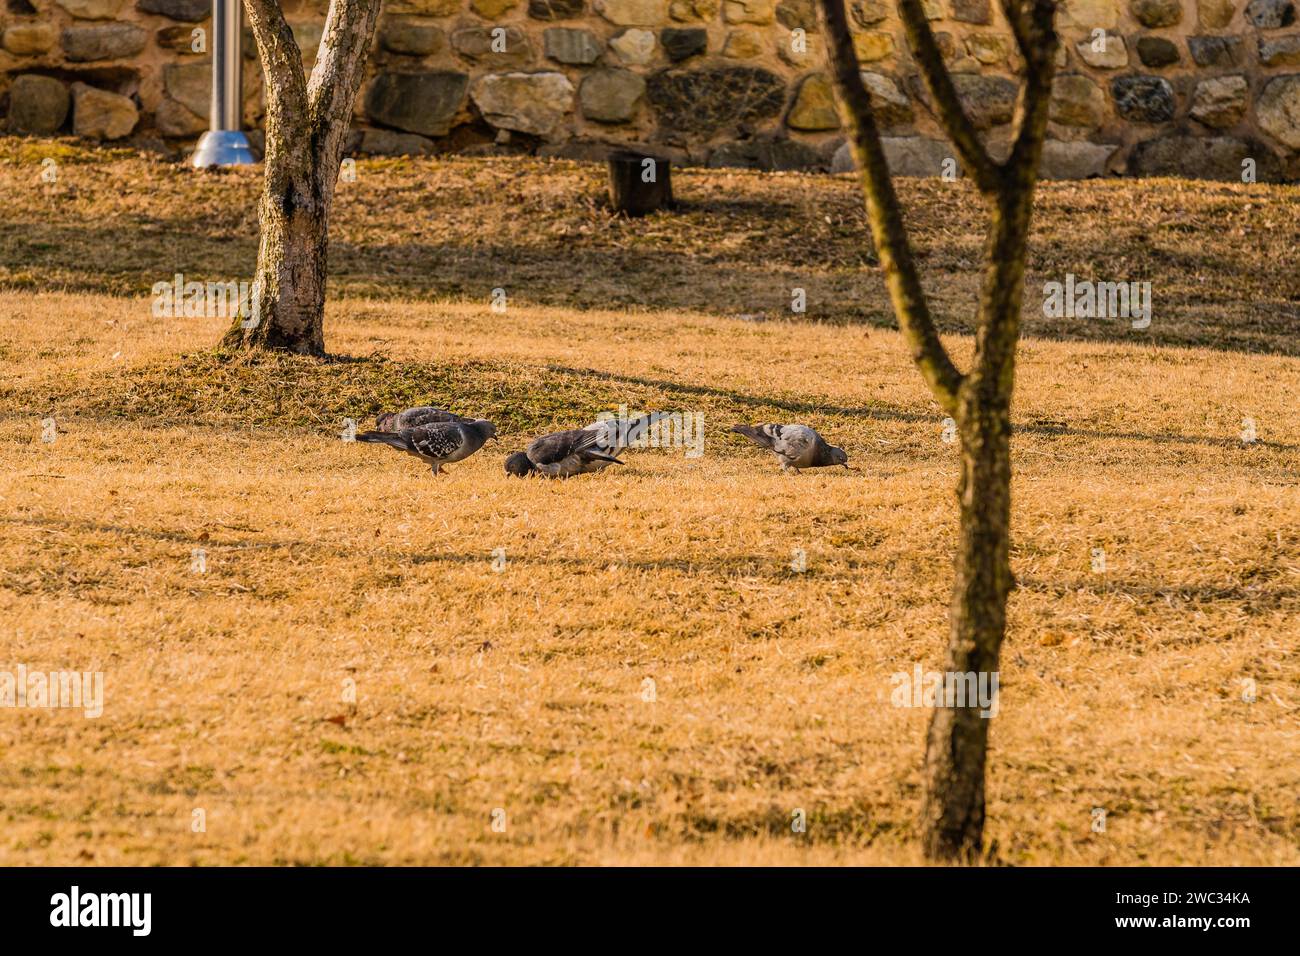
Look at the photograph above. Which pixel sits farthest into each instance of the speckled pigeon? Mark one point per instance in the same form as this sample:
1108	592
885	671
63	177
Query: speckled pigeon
413	417
795	446
438	444
562	455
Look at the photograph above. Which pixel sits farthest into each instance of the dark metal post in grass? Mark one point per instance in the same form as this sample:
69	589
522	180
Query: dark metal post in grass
224	144
979	399
638	183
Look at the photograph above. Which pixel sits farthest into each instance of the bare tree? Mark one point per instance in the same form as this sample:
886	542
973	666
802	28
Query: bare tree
307	121
978	400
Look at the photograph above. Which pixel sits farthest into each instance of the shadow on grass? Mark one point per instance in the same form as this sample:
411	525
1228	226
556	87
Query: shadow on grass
274	390
1253	315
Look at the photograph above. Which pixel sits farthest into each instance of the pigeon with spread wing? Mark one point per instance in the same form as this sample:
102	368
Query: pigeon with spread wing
438	444
583	450
562	455
795	446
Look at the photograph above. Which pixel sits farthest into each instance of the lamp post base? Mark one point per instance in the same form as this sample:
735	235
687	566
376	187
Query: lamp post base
222	147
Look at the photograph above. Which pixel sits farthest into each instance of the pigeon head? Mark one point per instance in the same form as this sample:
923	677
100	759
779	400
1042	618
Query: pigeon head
484	428
839	456
384	421
519	465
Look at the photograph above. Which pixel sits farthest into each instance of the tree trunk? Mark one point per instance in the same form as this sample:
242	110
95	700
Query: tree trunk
957	743
307	121
289	287
979	401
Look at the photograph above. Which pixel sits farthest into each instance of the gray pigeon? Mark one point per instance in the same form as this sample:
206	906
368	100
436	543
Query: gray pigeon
438	444
562	455
795	446
412	417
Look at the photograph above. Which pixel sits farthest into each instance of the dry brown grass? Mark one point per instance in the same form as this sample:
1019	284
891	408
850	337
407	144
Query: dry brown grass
522	690
1221	257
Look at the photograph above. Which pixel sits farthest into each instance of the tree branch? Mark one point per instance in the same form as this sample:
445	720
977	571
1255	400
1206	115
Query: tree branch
884	212
336	77
277	50
1032	23
285	88
1011	10
947	104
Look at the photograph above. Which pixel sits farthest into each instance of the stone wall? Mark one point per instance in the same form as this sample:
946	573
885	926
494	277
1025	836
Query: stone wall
1194	87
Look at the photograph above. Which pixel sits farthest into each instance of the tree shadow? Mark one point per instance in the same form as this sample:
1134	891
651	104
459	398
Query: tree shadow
1251	306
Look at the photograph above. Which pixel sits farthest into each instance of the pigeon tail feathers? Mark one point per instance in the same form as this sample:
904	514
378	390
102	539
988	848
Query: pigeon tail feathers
385	438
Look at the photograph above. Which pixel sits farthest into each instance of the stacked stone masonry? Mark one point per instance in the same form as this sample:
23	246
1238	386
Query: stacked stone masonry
1202	88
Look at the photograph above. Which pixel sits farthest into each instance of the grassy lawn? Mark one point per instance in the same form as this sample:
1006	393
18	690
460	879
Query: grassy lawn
523	688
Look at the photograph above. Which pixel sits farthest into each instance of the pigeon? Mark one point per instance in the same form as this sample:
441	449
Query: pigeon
562	455
595	446
795	446
423	415
438	444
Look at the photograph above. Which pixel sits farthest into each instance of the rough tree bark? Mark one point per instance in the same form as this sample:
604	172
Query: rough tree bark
307	120
979	400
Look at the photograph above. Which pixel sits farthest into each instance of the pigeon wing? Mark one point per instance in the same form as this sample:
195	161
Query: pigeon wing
591	450
562	454
617	434
414	417
554	448
797	444
426	415
437	442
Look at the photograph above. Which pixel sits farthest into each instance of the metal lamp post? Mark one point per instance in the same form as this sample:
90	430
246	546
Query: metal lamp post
224	144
